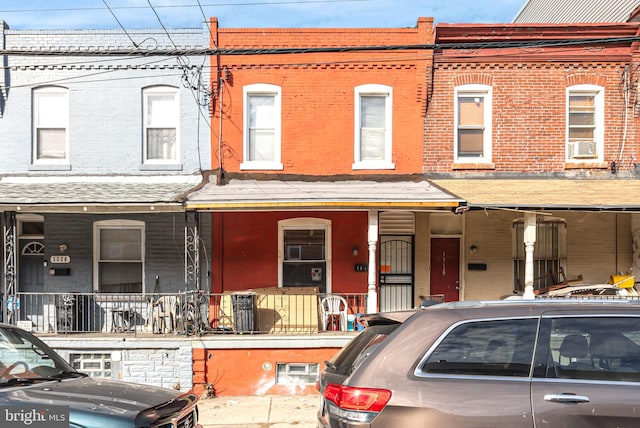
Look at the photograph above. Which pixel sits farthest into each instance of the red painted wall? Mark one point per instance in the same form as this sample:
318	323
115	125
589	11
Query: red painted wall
246	249
234	372
318	93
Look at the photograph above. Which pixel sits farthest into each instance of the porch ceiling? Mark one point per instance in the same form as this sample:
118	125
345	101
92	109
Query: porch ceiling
248	192
568	194
94	193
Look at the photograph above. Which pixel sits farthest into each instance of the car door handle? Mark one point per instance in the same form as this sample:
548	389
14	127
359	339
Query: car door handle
566	398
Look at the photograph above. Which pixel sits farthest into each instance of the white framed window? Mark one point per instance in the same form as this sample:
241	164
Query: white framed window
304	253
262	127
373	130
119	256
161	121
585	123
51	125
472	117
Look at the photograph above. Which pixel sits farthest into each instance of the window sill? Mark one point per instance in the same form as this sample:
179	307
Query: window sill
476	166
271	166
373	165
160	167
50	167
586	165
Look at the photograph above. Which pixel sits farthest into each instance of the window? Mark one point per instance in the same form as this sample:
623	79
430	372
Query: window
549	253
373	106
297	373
473	124
490	348
95	365
161	118
585	122
50	125
119	256
304	259
261	135
598	348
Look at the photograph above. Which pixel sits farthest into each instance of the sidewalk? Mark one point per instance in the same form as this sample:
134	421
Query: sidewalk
272	411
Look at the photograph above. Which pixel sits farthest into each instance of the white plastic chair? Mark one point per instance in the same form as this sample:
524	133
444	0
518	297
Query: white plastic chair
334	305
165	314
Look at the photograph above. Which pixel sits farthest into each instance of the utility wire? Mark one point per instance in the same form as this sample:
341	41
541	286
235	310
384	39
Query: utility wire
119	23
325	49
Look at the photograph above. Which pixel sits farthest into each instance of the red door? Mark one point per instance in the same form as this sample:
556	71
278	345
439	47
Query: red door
445	268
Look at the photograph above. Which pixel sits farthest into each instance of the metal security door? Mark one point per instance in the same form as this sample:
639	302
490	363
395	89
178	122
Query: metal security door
396	273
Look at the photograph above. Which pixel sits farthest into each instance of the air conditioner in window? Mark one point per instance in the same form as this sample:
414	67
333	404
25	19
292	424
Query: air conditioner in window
582	149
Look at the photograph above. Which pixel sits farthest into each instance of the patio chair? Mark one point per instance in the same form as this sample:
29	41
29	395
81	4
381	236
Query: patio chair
165	314
334	310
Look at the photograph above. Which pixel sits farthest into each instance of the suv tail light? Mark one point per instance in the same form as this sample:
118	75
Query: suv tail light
357	399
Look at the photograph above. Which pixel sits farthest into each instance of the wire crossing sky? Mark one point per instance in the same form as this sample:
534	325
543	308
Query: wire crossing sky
139	14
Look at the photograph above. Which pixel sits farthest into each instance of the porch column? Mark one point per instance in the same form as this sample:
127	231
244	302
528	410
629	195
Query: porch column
372	294
529	242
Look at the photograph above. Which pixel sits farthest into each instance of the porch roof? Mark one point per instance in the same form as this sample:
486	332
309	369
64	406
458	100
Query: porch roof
540	194
95	193
276	191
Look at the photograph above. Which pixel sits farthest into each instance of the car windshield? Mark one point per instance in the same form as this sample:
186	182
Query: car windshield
26	359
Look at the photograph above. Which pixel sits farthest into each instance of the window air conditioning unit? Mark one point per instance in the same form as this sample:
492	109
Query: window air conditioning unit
582	149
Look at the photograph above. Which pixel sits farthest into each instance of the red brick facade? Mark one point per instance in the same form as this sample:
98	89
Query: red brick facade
318	93
529	97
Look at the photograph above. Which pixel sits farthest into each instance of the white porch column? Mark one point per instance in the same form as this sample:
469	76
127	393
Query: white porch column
635	233
372	294
529	243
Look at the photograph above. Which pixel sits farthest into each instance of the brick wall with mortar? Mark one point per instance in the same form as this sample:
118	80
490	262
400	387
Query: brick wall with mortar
160	362
105	98
318	93
529	109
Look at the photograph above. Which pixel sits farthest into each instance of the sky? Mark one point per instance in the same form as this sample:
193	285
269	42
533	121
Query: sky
146	14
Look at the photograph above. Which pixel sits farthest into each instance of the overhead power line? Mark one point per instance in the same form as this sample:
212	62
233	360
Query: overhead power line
326	49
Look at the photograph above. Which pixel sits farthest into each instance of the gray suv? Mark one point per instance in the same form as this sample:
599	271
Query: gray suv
512	363
38	388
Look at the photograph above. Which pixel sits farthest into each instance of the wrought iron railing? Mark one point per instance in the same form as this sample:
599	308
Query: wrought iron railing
190	313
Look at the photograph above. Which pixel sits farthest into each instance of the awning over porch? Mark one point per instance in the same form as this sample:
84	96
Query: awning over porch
275	191
96	193
540	194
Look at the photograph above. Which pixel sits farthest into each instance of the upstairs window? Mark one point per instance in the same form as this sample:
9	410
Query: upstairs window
262	110
473	124
585	123
50	125
161	118
373	106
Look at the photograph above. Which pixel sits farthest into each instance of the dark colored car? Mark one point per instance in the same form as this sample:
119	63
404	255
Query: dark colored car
38	388
555	363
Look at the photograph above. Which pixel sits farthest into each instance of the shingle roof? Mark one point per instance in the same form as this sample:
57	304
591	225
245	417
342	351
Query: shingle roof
601	194
245	193
60	193
557	11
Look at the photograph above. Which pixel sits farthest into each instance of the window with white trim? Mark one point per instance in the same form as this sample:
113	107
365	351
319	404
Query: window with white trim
585	123
472	118
373	131
262	127
161	119
304	255
50	125
119	256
